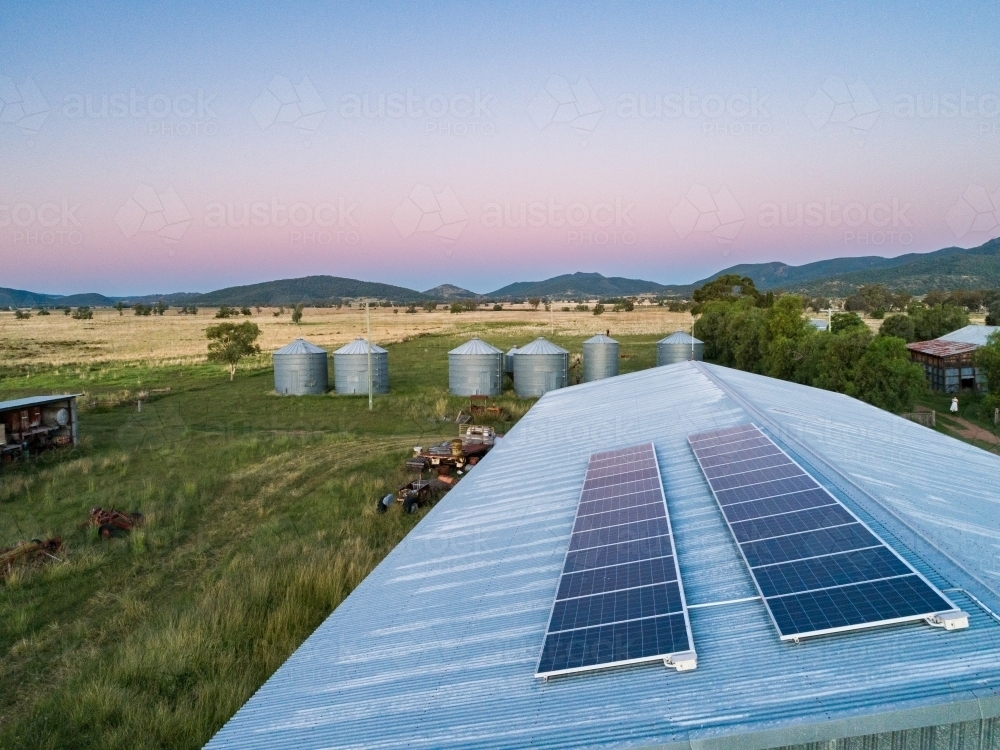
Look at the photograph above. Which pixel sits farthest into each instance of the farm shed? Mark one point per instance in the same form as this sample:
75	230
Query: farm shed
37	423
439	646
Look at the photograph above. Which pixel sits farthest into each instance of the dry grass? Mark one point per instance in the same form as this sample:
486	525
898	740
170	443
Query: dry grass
59	341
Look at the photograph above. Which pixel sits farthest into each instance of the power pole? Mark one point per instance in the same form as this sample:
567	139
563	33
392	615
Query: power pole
368	340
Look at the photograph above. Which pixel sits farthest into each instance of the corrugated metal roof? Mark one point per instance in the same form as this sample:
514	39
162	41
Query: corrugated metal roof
939	348
22	403
300	346
971	334
679	337
512	352
600	339
359	346
476	346
820	324
437	646
541	346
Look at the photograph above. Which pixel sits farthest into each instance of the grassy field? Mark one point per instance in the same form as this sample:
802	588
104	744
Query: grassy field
259	509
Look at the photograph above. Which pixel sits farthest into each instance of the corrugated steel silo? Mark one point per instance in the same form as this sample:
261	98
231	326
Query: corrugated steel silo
508	361
300	369
539	367
679	347
600	358
350	368
475	369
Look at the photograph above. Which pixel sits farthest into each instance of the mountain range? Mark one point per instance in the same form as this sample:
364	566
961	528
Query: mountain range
916	273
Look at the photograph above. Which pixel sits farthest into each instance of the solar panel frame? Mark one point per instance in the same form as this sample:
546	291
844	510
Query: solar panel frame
623	554
715	441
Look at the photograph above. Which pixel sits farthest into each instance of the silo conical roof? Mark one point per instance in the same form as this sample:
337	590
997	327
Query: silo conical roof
476	346
679	337
360	346
300	346
600	339
541	346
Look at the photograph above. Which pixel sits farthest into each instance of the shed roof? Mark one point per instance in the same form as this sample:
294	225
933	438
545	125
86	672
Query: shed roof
300	346
971	334
679	337
820	324
476	345
23	403
438	645
360	346
541	346
940	348
600	339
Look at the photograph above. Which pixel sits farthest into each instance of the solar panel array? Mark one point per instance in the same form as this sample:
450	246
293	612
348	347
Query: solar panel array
818	568
620	598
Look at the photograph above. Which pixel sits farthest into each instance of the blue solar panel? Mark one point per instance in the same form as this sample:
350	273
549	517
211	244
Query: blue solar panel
620	598
818	568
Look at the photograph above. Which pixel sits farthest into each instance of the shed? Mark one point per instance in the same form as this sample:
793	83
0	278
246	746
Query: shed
37	423
300	369
438	646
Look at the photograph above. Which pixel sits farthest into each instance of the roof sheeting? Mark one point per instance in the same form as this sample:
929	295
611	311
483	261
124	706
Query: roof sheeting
971	334
476	345
29	401
300	346
939	348
437	646
679	337
360	346
541	346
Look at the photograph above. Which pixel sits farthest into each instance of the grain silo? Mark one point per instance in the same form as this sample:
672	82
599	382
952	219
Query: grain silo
539	367
600	358
475	369
508	361
300	369
678	347
350	368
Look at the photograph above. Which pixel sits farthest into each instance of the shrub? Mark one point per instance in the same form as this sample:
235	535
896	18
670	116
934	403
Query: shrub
225	312
598	308
297	313
83	313
21	315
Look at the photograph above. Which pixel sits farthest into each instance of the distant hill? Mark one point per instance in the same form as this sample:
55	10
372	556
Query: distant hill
309	290
577	285
917	273
449	291
21	298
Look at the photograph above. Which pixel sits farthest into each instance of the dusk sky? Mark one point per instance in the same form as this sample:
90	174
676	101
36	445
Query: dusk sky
146	148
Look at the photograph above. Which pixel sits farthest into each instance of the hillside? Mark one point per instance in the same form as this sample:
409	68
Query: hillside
577	285
449	291
22	298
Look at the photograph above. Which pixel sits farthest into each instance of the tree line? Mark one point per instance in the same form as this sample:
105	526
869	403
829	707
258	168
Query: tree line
770	335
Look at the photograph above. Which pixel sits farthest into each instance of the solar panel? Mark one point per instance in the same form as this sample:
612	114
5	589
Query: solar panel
620	599
818	568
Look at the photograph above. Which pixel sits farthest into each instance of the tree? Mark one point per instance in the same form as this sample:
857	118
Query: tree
934	322
297	313
836	358
457	307
120	307
230	342
993	316
886	377
430	306
497	307
141	309
842	321
160	307
225	312
245	311
988	361
598	308
727	288
899	325
21	315
411	309
44	311
534	302
83	313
